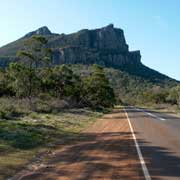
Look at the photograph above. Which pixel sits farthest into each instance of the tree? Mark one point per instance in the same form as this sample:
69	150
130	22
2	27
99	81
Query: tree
97	91
61	82
24	73
5	89
34	53
174	95
23	80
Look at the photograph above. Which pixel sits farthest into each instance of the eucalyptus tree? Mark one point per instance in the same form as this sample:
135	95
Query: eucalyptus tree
24	73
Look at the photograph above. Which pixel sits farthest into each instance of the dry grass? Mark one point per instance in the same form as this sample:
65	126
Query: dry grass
23	137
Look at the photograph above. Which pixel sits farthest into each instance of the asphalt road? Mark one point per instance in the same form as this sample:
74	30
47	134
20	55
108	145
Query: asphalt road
158	136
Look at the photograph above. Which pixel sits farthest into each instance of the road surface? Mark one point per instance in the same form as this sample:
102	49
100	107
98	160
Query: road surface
158	136
129	144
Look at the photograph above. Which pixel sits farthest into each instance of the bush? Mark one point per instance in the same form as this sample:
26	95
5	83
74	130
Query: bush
174	95
97	90
20	135
27	140
7	112
13	107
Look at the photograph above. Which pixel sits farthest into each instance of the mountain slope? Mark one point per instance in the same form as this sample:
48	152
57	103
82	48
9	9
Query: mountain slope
104	46
128	88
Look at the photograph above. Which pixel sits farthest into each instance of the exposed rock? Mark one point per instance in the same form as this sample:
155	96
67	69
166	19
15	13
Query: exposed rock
41	31
105	46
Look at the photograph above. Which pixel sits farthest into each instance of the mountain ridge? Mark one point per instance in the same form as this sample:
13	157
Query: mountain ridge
44	30
105	46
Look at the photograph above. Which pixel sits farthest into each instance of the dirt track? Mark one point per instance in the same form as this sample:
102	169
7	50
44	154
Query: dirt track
106	151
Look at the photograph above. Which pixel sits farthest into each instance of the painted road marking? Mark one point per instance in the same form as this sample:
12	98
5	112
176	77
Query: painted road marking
150	114
143	164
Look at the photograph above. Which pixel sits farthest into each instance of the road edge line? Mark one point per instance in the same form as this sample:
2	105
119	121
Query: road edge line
143	164
150	114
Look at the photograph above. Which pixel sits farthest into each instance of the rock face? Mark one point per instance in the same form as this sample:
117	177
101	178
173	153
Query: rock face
41	31
106	46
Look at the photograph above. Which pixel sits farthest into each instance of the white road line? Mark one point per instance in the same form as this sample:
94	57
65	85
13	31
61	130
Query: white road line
143	164
162	119
150	114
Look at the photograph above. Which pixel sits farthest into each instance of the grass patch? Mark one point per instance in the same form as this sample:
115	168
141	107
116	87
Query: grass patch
22	138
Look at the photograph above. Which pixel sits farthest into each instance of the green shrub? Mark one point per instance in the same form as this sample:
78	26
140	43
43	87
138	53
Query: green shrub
33	115
3	115
27	140
7	112
97	90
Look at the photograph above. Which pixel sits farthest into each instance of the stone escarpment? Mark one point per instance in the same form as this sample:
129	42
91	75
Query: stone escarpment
106	46
41	31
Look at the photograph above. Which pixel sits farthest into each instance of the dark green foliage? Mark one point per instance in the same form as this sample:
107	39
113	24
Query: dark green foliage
97	91
23	80
156	95
5	89
94	90
34	52
174	95
33	76
21	135
40	130
132	89
23	75
60	81
8	112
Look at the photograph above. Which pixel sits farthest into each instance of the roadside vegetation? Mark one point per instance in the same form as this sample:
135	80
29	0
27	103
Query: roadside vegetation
42	106
135	90
34	78
23	139
167	98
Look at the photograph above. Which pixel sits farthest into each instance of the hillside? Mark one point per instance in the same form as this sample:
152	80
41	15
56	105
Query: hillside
104	46
128	88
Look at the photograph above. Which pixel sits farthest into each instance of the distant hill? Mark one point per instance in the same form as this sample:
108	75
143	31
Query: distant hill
104	46
129	88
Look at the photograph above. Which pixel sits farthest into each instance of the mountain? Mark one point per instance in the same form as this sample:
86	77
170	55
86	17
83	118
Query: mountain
41	31
105	46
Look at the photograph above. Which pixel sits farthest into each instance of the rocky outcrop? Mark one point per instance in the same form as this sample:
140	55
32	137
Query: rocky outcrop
105	46
41	31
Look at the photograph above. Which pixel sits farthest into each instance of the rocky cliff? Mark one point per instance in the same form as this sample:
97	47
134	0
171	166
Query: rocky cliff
41	31
105	46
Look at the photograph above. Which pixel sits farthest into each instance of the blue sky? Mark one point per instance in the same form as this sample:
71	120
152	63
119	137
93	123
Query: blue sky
152	26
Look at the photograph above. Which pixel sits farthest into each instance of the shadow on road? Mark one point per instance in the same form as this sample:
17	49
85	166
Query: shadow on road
99	156
111	156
